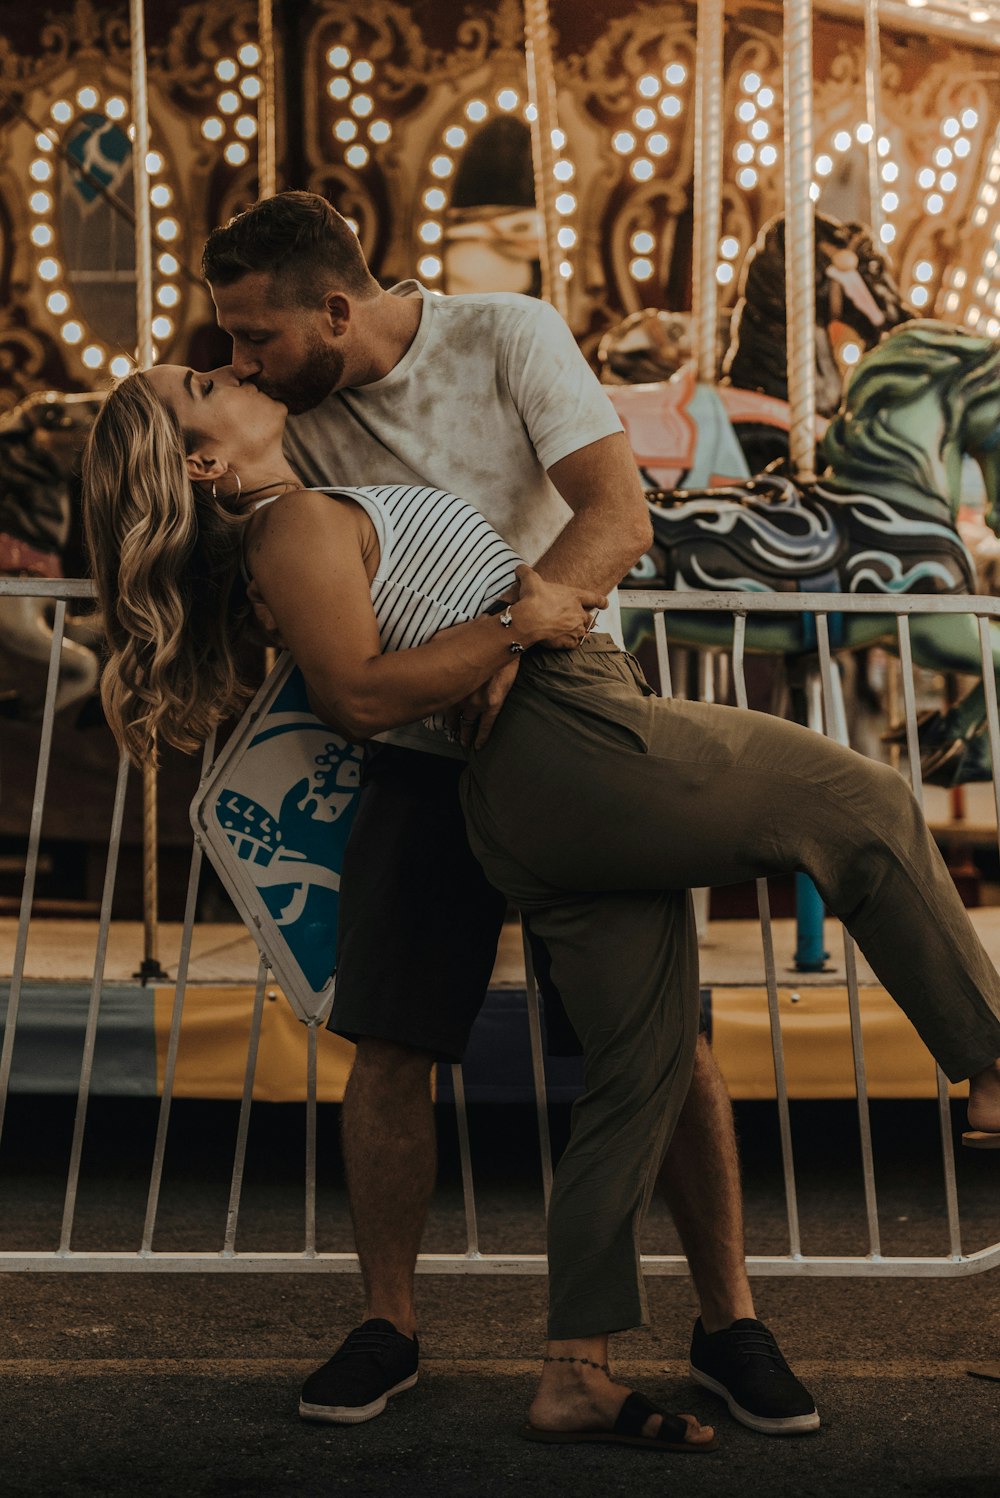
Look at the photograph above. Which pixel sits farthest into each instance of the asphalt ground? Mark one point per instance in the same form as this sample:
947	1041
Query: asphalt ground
163	1384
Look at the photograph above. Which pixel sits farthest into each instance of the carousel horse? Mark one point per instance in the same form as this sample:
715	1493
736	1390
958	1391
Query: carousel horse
679	430
40	442
880	519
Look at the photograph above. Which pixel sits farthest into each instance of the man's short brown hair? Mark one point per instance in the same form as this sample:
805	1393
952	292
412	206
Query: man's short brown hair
297	238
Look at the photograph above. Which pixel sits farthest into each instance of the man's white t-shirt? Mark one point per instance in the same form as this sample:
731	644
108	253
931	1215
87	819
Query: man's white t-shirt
491	392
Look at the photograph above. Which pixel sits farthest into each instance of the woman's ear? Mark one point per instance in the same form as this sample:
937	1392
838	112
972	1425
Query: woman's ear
203	469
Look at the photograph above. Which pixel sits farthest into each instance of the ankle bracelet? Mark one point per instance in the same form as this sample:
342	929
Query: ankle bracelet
601	1367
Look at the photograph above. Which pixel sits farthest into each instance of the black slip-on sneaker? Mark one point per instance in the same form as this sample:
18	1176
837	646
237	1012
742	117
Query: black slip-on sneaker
373	1363
744	1365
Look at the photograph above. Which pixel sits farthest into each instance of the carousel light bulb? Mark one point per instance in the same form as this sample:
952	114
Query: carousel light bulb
379	131
750	82
338	57
566	238
442	166
760	130
746	109
644	118
919	296
979	15
814	192
43	142
767	155
430	266
824	166
724	274
959	279
476	111
563	171
434	199
339	88
951	301
657	144
565	203
729	247
71	332
642	169
883	145
345	129
675	73
154	163
41	235
120	366
57	302
226	70
249	54
970	119
623	141
747	177
362	71
169	228
890	201
923	270
648	86
850	353
744	152
508	99
168	296
352	224
116	108
88	98
362	105
558	139
455	137
162	327
934	203
670	107
942	156
250	86
49	269
982	285
565	269
356	156
430	231
213	128
530	113
61	111
93	356
40	169
842	140
948	182
167	265
887	233
229	101
890	171
979	217
160	195
641	269
864	133
246	127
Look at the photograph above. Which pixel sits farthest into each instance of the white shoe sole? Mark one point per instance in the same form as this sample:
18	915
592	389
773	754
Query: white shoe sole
346	1414
786	1425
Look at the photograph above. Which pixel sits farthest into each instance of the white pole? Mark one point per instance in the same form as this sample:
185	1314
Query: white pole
800	237
708	141
267	152
873	114
542	94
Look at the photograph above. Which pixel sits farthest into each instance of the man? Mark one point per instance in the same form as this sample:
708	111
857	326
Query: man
489	397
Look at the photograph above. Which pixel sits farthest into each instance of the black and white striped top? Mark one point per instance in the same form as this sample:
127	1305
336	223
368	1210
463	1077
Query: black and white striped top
440	561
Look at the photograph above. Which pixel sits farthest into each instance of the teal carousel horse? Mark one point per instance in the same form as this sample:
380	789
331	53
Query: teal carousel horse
880	519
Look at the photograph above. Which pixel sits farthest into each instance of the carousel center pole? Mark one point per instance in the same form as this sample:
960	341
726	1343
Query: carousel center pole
542	95
873	113
150	967
800	238
708	144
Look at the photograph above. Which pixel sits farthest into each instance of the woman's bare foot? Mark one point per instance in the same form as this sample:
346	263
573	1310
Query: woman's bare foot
984	1099
573	1396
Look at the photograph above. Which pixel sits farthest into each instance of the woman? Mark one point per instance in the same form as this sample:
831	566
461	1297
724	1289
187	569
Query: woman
594	806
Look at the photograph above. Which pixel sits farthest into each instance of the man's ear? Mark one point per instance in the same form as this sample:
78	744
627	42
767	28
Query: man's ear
203	468
338	310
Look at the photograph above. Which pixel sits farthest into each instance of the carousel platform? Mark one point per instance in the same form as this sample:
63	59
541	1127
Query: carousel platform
134	1020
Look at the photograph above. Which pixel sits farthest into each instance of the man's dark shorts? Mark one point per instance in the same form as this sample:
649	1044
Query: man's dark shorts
419	922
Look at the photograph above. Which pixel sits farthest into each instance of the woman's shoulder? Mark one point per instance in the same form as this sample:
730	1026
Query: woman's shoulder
306	516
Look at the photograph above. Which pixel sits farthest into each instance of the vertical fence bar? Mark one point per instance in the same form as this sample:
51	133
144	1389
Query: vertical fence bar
240	1154
90	1034
31	859
836	729
538	1070
771	980
465	1156
662	654
312	1034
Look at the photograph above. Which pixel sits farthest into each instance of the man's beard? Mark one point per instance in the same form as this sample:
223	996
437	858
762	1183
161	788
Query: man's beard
320	374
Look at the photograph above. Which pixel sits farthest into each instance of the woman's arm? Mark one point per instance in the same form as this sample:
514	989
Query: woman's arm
307	555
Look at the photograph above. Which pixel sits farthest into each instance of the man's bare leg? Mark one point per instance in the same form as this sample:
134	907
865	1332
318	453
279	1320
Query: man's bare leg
389	1144
700	1179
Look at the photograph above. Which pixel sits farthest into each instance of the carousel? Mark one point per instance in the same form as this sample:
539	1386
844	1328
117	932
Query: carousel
774	231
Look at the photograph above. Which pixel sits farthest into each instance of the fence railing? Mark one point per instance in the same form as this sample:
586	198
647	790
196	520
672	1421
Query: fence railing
471	1257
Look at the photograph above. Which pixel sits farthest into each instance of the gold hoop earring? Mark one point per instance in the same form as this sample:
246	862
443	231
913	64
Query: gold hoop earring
235	497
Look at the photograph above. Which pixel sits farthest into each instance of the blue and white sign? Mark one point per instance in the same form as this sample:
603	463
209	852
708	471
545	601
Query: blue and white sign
275	812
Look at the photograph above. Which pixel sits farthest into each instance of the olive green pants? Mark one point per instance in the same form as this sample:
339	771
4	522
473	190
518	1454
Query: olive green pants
595	807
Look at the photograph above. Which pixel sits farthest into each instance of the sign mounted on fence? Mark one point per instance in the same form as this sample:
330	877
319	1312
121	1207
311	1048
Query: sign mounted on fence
274	811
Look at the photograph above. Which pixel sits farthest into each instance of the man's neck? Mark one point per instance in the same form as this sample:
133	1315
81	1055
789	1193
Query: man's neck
389	325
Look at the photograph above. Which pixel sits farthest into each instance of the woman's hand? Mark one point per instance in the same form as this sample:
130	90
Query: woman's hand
553	614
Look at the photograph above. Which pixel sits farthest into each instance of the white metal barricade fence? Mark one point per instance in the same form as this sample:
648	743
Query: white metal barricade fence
472	1259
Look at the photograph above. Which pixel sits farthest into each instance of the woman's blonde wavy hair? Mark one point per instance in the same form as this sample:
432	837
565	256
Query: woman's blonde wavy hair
165	555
